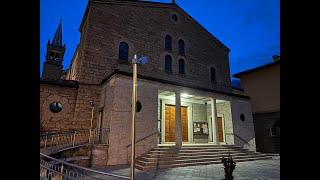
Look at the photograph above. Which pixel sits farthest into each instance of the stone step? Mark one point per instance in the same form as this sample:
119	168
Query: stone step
199	147
167	154
170	153
182	161
142	167
171	156
197	150
192	156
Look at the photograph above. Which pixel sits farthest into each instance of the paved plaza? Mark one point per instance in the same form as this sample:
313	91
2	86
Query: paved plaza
252	170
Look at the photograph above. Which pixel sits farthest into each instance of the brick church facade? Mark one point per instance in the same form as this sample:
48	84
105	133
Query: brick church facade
184	90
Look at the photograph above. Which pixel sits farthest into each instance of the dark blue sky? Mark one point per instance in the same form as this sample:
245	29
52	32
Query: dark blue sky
250	28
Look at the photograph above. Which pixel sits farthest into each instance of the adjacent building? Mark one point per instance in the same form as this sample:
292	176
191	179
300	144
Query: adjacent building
262	84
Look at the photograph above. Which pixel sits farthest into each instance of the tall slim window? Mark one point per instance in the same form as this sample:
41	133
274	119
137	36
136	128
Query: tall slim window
275	129
181	66
168	61
181	47
168	42
123	51
213	74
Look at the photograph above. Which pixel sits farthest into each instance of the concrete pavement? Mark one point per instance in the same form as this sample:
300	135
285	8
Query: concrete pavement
252	170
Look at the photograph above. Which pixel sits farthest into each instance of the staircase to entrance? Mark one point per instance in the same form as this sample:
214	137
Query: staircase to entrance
192	155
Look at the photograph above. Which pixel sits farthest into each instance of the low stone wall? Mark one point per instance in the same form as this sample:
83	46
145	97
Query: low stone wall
99	155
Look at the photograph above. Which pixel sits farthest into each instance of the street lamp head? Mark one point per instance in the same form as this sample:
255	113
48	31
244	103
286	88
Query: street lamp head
143	60
140	60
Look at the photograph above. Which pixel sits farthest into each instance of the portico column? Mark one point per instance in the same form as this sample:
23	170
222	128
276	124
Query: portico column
214	121
178	120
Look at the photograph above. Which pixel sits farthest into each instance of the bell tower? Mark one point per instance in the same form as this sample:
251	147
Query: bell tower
52	67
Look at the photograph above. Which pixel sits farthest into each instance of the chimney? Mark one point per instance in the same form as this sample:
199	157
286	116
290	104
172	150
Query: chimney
276	57
173	1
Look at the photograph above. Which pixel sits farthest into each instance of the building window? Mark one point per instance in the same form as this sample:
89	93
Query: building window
275	129
57	56
181	66
168	63
242	117
168	42
55	107
51	55
123	51
213	74
174	17
181	47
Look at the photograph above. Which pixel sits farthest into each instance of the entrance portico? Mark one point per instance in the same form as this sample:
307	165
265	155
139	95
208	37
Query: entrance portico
193	119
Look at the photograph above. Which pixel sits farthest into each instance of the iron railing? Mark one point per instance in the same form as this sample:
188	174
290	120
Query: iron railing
246	143
74	137
101	136
51	169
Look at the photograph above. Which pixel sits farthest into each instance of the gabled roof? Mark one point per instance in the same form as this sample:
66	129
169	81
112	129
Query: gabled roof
238	75
154	4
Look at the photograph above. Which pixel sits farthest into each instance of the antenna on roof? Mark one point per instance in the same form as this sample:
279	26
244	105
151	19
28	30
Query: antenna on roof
173	1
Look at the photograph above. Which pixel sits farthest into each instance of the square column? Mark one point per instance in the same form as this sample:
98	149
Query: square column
210	127
214	118
178	120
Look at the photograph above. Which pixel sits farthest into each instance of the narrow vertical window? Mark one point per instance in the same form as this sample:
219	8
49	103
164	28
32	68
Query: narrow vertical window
275	129
213	74
181	47
168	42
123	51
57	56
181	66
168	63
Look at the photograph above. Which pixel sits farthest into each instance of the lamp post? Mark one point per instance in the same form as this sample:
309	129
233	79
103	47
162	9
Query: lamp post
135	61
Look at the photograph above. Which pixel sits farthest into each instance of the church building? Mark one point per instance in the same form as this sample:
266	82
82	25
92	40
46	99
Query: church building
184	93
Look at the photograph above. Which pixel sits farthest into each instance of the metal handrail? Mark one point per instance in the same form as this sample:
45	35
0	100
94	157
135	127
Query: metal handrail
101	136
246	142
143	138
50	170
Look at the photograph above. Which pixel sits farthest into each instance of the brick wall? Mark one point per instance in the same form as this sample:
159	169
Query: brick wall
82	114
76	108
99	155
67	97
243	130
109	24
119	118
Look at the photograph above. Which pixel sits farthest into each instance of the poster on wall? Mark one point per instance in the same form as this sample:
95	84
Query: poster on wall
205	128
200	128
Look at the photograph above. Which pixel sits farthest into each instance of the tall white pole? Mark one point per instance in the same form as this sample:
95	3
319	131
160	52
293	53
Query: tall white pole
133	113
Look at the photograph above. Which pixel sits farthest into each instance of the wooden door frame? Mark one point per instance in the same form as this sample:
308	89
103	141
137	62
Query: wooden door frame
223	128
172	103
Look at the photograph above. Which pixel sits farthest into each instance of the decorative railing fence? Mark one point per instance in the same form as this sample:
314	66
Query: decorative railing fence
52	169
73	137
55	169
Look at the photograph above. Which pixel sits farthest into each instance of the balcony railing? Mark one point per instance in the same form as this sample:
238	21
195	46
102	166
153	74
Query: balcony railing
74	137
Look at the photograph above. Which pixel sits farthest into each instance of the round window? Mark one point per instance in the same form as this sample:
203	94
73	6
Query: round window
55	107
242	118
175	17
